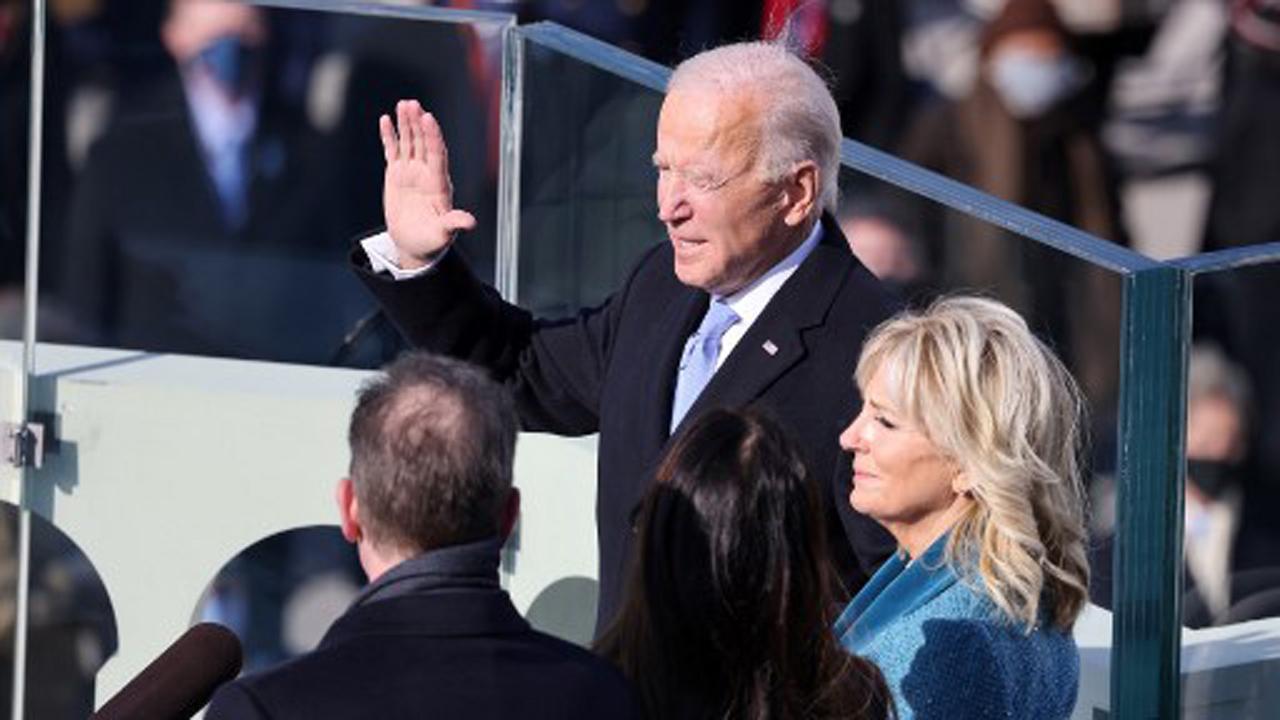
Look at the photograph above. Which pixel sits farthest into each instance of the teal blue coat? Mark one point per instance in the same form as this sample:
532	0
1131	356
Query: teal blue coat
946	651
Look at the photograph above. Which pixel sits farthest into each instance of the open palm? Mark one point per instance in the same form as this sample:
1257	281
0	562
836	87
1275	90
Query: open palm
417	195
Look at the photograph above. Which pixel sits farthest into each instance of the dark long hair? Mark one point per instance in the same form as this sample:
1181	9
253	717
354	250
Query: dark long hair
729	607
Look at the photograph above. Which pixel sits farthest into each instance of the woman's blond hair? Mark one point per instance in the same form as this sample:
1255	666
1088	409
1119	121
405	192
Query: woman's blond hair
973	378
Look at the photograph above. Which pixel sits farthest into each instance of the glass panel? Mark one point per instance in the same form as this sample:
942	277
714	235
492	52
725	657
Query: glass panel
1231	570
71	630
15	105
587	203
282	593
923	249
224	157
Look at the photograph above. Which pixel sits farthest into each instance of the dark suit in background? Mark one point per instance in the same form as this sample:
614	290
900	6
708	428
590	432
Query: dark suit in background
152	262
612	370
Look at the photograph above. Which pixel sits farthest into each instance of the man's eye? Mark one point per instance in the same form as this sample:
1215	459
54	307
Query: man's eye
702	182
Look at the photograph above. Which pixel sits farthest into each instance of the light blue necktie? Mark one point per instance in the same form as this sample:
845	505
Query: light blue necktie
698	363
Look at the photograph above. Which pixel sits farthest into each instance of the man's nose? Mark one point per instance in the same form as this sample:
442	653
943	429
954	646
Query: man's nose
673	205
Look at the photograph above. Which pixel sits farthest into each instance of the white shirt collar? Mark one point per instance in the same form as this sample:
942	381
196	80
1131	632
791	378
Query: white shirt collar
751	300
222	124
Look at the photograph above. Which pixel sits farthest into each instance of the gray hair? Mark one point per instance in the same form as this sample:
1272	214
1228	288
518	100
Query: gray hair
432	442
804	126
1210	373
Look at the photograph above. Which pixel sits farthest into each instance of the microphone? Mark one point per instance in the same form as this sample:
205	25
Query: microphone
179	682
362	327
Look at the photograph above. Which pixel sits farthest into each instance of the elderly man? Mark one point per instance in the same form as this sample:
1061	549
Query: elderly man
428	505
755	298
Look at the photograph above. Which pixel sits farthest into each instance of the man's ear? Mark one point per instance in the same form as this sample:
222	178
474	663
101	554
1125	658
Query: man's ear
349	511
801	193
510	513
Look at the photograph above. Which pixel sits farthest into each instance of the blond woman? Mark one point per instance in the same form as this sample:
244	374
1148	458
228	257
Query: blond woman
967	450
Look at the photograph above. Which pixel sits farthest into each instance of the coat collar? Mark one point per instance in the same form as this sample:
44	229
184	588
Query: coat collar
451	592
897	589
470	565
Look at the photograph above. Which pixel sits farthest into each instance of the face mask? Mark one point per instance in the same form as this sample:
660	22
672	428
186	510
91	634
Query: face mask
1029	84
231	63
1212	476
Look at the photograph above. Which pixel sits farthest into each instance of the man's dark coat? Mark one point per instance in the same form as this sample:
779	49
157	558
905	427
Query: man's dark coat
612	370
435	637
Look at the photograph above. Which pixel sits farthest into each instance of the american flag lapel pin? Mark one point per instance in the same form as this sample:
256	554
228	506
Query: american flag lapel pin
769	347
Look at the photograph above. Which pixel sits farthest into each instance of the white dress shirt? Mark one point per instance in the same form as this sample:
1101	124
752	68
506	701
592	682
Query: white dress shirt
751	300
748	302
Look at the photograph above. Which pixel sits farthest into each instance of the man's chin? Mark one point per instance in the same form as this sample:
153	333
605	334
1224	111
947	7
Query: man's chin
691	277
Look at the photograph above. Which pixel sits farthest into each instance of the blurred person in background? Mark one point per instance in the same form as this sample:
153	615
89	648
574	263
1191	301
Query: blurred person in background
1218	413
968	449
428	505
205	182
729	604
71	626
1238	309
885	239
1026	133
1246	172
1228	559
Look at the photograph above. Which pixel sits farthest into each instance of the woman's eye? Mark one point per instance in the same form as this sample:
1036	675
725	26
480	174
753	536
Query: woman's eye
886	422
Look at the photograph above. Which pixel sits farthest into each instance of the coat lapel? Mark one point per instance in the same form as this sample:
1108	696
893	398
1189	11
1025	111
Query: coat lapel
775	342
895	591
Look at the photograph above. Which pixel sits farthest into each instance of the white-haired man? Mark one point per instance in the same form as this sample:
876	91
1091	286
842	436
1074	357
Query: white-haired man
755	298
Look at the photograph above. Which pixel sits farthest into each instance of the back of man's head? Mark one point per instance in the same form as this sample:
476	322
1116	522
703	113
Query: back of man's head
432	441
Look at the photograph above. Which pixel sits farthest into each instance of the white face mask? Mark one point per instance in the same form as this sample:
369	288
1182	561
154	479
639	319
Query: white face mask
1031	83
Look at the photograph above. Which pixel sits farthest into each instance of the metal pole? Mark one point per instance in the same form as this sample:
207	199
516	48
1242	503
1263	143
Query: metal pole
507	265
1146	637
32	292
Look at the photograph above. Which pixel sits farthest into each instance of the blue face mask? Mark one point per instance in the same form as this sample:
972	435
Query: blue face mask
1029	84
230	62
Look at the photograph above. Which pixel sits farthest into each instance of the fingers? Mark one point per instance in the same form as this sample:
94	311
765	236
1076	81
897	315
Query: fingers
404	125
437	153
416	135
388	134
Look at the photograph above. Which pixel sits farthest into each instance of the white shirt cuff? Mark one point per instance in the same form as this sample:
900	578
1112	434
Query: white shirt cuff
383	257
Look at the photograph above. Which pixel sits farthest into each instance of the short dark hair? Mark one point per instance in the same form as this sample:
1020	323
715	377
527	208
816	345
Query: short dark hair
432	442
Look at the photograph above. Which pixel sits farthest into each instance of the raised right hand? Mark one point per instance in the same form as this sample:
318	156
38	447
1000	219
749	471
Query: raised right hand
417	195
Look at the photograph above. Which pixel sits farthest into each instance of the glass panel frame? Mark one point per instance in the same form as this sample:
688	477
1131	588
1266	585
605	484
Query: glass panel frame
1205	681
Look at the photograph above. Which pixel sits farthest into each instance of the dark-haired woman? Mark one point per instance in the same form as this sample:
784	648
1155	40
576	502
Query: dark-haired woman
729	604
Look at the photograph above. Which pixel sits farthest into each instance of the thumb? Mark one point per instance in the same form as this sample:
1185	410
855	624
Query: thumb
455	220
